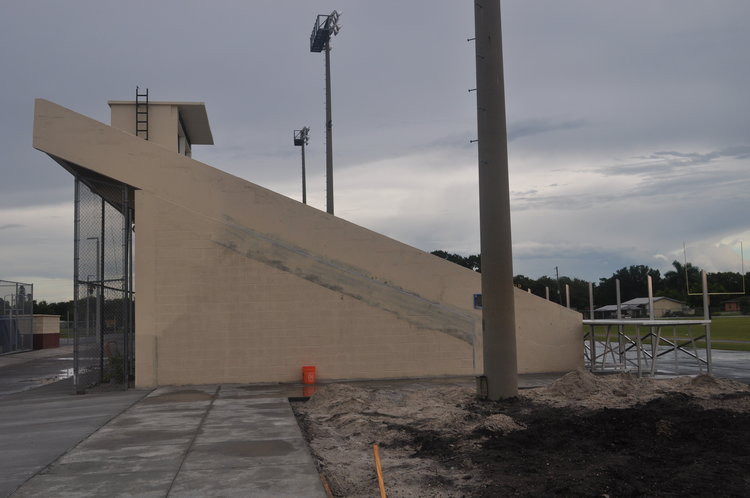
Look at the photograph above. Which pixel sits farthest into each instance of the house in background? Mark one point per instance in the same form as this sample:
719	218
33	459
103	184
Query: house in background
639	308
733	305
610	311
185	274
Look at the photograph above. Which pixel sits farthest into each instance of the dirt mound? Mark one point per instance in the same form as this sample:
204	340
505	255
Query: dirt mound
705	386
500	423
583	435
583	389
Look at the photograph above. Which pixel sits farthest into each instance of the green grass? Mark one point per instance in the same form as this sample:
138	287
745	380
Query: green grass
722	329
731	328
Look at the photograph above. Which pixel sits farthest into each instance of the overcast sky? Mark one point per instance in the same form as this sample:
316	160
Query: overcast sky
629	121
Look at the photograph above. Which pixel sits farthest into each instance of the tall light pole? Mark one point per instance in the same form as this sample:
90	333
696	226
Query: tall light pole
325	26
300	140
500	378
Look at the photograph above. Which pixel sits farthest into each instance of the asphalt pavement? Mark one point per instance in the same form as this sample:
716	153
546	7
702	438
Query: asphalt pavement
32	369
38	426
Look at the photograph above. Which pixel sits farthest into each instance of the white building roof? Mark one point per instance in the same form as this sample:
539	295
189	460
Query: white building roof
640	301
634	304
613	307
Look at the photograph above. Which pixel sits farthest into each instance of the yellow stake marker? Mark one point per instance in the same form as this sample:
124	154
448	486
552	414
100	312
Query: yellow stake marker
379	470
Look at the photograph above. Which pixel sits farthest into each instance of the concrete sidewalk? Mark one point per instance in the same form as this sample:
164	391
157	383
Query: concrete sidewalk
229	440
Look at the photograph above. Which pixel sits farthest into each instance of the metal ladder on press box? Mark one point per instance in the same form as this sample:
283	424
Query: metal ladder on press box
141	113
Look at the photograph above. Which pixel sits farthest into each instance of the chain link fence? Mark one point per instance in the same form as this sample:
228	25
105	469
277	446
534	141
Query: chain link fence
104	301
16	316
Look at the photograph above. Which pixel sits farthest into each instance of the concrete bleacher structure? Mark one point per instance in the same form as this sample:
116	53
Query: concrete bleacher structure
236	283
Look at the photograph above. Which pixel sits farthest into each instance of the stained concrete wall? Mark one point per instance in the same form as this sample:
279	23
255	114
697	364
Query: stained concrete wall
235	283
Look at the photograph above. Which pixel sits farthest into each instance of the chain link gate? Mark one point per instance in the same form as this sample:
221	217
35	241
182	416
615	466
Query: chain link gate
16	316
103	337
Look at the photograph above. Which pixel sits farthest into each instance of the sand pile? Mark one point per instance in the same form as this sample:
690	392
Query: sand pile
499	422
583	389
342	422
435	439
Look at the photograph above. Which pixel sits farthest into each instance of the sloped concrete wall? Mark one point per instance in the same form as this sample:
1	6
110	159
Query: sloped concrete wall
235	283
548	336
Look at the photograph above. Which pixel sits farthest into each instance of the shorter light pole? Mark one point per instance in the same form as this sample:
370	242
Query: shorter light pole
300	140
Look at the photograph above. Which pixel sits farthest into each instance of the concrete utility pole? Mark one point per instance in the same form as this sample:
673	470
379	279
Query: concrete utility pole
498	314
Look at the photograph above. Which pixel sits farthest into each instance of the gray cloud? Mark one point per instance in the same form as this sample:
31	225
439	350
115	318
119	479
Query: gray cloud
10	225
666	172
538	126
665	113
658	184
681	158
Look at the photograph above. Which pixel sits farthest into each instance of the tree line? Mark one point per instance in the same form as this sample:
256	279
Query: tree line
682	283
63	308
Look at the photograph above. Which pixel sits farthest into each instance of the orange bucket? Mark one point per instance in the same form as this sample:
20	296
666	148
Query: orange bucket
308	375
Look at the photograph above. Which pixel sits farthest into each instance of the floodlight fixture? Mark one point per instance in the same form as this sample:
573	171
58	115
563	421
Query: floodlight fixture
324	27
301	138
320	40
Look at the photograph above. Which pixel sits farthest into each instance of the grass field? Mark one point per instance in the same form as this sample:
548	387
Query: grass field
731	328
725	330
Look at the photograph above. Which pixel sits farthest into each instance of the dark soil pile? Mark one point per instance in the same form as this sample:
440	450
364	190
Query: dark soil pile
670	446
690	437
